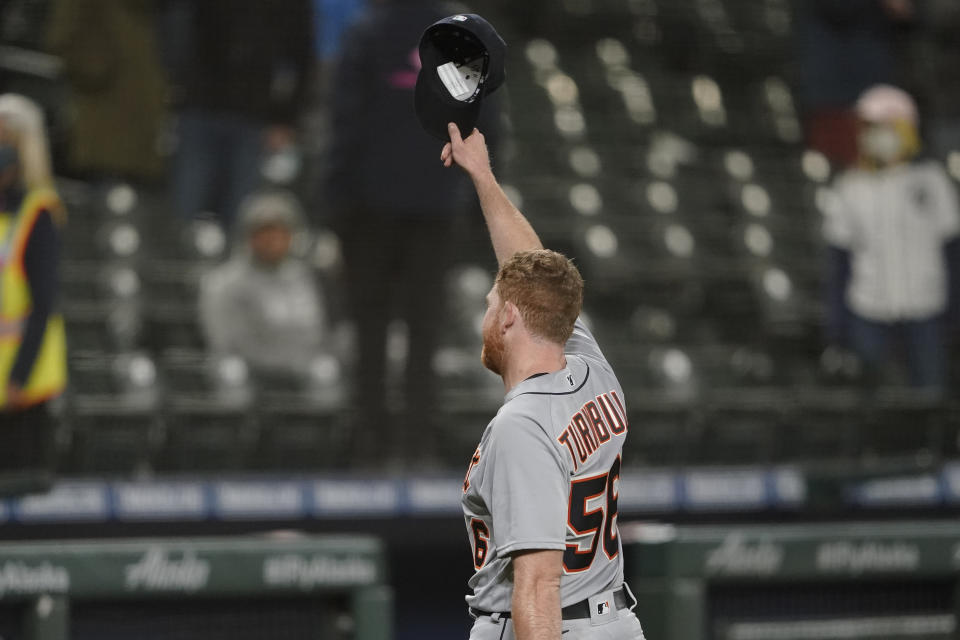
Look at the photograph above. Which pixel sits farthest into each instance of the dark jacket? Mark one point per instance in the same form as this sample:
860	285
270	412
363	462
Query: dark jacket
845	47
382	162
246	57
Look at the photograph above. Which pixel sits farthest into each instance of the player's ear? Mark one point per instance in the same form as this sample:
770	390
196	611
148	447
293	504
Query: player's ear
511	314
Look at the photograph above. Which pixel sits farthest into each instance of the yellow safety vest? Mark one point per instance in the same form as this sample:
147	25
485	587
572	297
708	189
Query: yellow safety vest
48	378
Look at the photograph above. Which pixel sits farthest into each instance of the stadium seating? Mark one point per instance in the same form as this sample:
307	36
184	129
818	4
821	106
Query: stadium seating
668	166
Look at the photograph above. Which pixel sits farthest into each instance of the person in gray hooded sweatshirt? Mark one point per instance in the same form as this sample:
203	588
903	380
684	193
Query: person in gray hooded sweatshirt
266	305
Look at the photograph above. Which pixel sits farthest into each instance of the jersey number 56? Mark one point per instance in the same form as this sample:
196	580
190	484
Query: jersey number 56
600	521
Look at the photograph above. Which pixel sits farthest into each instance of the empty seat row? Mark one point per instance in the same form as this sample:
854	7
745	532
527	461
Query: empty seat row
763	426
102	436
815	427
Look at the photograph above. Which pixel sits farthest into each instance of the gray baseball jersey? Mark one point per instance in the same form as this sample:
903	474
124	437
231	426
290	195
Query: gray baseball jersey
546	476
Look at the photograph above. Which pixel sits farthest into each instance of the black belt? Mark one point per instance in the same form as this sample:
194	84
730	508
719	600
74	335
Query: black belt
575	611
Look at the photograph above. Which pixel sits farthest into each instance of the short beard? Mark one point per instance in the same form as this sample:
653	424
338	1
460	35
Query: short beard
492	353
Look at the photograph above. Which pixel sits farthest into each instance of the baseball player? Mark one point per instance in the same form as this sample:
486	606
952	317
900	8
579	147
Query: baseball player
540	495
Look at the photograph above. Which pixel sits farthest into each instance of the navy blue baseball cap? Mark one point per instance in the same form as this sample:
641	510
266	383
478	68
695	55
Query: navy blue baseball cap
462	60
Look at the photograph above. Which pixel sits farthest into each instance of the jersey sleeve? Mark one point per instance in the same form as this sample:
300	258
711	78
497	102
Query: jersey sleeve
582	342
529	488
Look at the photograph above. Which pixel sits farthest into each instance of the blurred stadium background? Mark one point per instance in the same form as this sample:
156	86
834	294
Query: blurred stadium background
766	493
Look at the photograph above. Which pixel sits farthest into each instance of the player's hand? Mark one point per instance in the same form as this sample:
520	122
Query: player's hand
471	154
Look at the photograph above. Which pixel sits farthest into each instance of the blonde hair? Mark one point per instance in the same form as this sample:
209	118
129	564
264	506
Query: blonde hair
547	289
24	120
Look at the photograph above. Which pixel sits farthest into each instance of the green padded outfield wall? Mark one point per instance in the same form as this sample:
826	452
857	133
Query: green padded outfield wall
50	579
869	581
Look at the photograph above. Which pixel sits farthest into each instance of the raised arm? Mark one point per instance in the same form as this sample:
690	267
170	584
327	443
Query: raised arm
510	231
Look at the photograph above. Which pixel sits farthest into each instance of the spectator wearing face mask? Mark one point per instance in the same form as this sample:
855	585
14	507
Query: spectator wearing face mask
33	367
844	47
893	245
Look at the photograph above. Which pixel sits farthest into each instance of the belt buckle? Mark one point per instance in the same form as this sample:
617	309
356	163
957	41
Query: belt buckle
603	608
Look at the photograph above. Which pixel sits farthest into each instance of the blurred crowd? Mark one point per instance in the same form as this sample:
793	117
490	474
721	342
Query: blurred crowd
270	118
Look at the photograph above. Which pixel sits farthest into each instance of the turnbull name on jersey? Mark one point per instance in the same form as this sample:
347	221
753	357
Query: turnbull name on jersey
593	425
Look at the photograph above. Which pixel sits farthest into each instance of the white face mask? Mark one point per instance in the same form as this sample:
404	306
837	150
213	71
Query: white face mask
882	143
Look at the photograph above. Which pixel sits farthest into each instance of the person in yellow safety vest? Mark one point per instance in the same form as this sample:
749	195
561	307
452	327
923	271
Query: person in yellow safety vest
32	341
